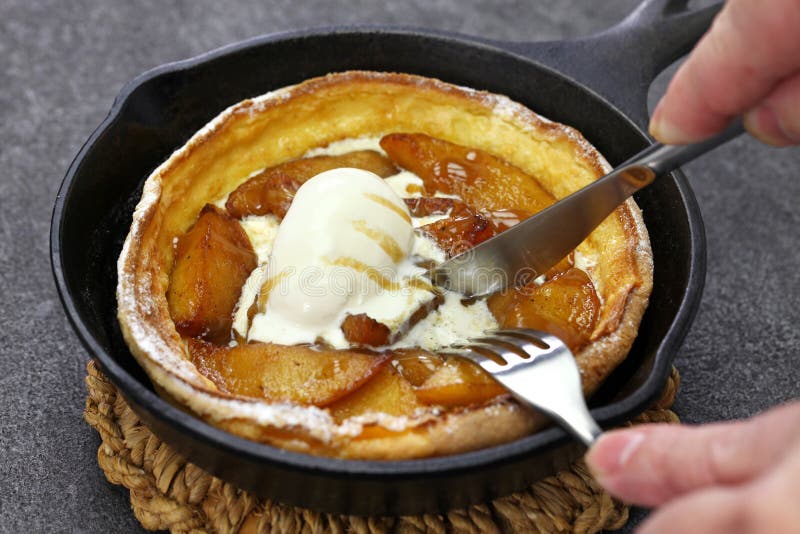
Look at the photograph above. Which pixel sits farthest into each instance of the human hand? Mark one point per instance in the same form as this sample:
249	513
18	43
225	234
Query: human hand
748	63
741	477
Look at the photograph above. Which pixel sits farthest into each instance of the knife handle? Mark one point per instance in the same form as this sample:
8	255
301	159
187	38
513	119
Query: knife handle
660	159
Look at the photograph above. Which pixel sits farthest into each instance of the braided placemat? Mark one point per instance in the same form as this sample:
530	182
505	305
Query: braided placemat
169	493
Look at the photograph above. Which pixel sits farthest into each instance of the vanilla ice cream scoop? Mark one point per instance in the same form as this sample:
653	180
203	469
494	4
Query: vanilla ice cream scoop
341	245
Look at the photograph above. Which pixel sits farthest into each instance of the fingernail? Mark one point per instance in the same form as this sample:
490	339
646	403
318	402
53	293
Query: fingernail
765	126
612	452
665	131
655	119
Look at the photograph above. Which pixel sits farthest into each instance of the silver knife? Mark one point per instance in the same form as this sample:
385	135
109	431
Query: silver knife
528	249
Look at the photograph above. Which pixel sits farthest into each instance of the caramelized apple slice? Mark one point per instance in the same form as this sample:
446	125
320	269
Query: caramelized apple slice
212	261
505	219
464	227
417	365
566	305
562	266
387	393
363	330
426	206
296	373
459	382
461	231
272	190
485	182
263	194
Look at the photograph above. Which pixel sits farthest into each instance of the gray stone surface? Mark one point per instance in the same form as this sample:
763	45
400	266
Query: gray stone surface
63	62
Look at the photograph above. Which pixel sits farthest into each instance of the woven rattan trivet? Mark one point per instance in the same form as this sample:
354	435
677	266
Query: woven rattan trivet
169	493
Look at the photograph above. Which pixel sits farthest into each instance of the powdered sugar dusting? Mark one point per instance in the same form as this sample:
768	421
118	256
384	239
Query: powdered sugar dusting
350	144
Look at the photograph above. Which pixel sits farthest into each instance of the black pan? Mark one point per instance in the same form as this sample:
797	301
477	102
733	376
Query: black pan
597	84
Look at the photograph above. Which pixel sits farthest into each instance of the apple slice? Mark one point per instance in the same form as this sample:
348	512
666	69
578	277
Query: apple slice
417	365
566	305
295	373
363	330
566	263
387	393
212	261
484	182
265	193
272	190
460	231
459	382
506	218
426	206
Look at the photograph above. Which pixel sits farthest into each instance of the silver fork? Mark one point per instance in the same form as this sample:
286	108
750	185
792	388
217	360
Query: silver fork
538	369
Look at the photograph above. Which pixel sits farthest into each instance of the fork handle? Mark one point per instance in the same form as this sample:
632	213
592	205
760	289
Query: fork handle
629	177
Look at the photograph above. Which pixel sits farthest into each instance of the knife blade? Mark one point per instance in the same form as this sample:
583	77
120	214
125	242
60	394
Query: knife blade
523	252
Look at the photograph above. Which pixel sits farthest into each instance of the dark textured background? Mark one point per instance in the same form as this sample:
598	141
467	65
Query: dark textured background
62	64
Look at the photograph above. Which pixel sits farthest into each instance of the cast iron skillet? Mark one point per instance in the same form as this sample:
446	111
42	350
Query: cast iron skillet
597	84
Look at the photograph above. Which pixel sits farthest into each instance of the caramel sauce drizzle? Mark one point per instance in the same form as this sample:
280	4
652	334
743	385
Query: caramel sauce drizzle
382	239
386	203
372	273
421	283
414	188
267	287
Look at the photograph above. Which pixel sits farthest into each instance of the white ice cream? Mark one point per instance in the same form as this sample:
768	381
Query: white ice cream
342	248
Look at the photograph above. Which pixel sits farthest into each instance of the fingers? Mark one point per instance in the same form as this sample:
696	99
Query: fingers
768	504
776	121
714	511
653	464
749	49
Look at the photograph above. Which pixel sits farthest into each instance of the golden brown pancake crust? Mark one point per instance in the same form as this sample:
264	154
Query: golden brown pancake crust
283	125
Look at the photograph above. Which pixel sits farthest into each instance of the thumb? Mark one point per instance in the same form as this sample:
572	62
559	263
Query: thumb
651	464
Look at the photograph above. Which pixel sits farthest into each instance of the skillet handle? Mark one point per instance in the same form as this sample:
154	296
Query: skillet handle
621	62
